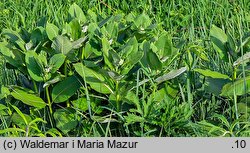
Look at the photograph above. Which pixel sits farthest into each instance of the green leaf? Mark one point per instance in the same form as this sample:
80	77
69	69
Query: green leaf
56	61
4	92
219	39
243	108
212	74
215	86
164	45
15	38
132	98
65	89
112	29
53	132
13	56
75	12
3	110
153	60
131	60
34	65
81	103
115	58
61	44
105	48
65	119
131	47
237	87
52	31
78	43
172	74
242	60
111	58
37	36
94	79
20	114
142	21
28	97
75	29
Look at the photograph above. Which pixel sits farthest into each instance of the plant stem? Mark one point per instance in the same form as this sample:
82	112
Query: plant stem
118	103
48	99
35	86
66	74
190	96
235	98
50	106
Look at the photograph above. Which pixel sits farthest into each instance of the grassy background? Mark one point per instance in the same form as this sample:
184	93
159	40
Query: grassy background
185	20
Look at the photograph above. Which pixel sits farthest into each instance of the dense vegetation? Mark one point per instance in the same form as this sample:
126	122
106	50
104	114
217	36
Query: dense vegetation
124	68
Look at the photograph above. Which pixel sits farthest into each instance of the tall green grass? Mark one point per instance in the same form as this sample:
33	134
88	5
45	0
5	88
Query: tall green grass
188	21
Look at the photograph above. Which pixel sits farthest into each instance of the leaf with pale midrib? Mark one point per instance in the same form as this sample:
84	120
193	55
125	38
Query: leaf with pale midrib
65	89
52	31
94	79
212	74
27	97
62	44
237	88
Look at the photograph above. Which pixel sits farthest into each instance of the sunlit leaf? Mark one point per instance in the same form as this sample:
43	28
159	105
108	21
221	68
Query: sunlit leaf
52	31
65	89
28	97
212	74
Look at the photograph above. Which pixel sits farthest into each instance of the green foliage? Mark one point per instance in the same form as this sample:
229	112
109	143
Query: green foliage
239	87
52	31
27	97
65	120
63	90
145	69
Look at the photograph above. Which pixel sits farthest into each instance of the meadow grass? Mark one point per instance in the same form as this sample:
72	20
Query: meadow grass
187	21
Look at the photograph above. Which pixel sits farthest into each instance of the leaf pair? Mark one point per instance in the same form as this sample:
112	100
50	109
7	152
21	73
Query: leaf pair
38	68
94	79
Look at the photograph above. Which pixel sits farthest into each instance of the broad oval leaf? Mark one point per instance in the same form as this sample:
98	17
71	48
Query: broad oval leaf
75	12
105	49
94	79
75	29
34	65
212	74
219	39
142	21
62	44
153	60
241	60
164	45
130	47
52	31
172	74
13	56
65	89
15	38
65	119
238	87
215	85
56	61
28	97
131	61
